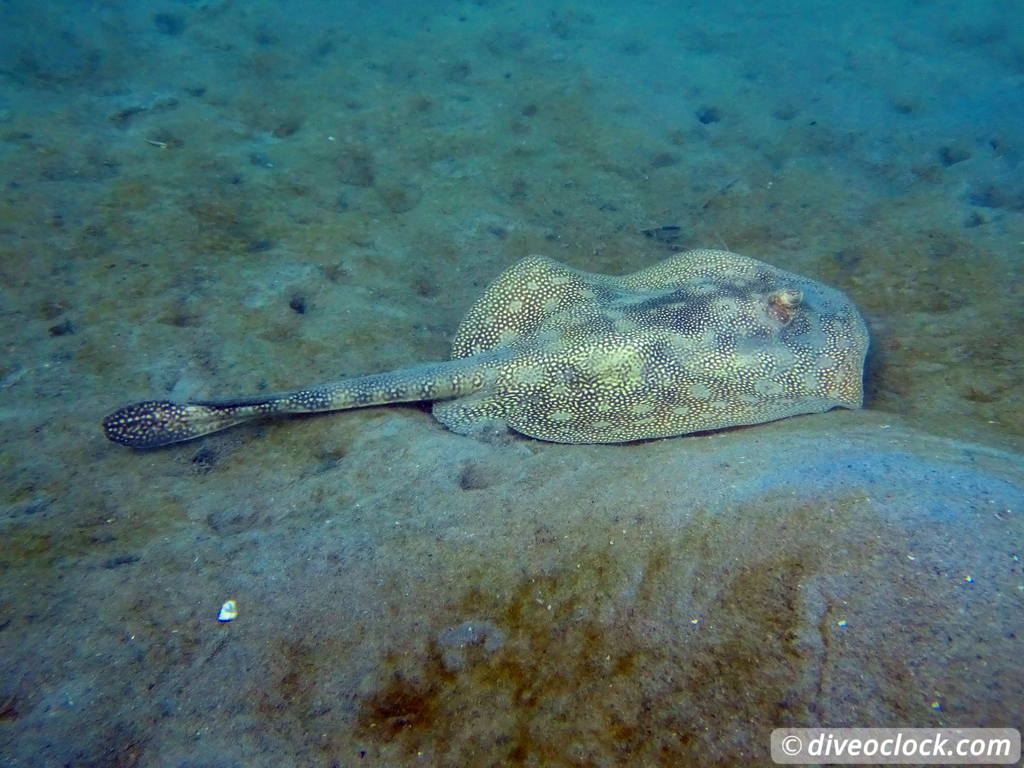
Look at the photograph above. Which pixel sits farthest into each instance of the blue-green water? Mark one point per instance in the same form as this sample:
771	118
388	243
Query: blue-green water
218	198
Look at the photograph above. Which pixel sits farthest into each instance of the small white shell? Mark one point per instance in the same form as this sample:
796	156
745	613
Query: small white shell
228	611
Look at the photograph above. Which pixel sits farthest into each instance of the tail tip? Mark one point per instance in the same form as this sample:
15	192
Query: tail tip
149	424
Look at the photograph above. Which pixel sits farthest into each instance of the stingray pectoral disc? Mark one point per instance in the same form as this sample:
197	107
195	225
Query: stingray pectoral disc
701	341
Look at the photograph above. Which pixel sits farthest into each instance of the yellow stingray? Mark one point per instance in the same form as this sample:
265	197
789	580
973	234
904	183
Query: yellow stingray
701	341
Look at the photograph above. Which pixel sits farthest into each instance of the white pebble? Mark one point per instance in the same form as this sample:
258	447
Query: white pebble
228	611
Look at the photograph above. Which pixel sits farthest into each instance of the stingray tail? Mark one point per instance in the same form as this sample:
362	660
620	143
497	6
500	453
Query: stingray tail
160	422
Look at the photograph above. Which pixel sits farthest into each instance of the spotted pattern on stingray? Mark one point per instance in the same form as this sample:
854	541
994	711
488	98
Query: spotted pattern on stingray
701	341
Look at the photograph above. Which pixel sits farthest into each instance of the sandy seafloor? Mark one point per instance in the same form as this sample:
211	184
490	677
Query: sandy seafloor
219	197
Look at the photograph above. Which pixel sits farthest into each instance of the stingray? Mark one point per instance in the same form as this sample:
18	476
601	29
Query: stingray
701	341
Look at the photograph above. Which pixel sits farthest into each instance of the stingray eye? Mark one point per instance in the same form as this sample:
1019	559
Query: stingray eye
783	304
